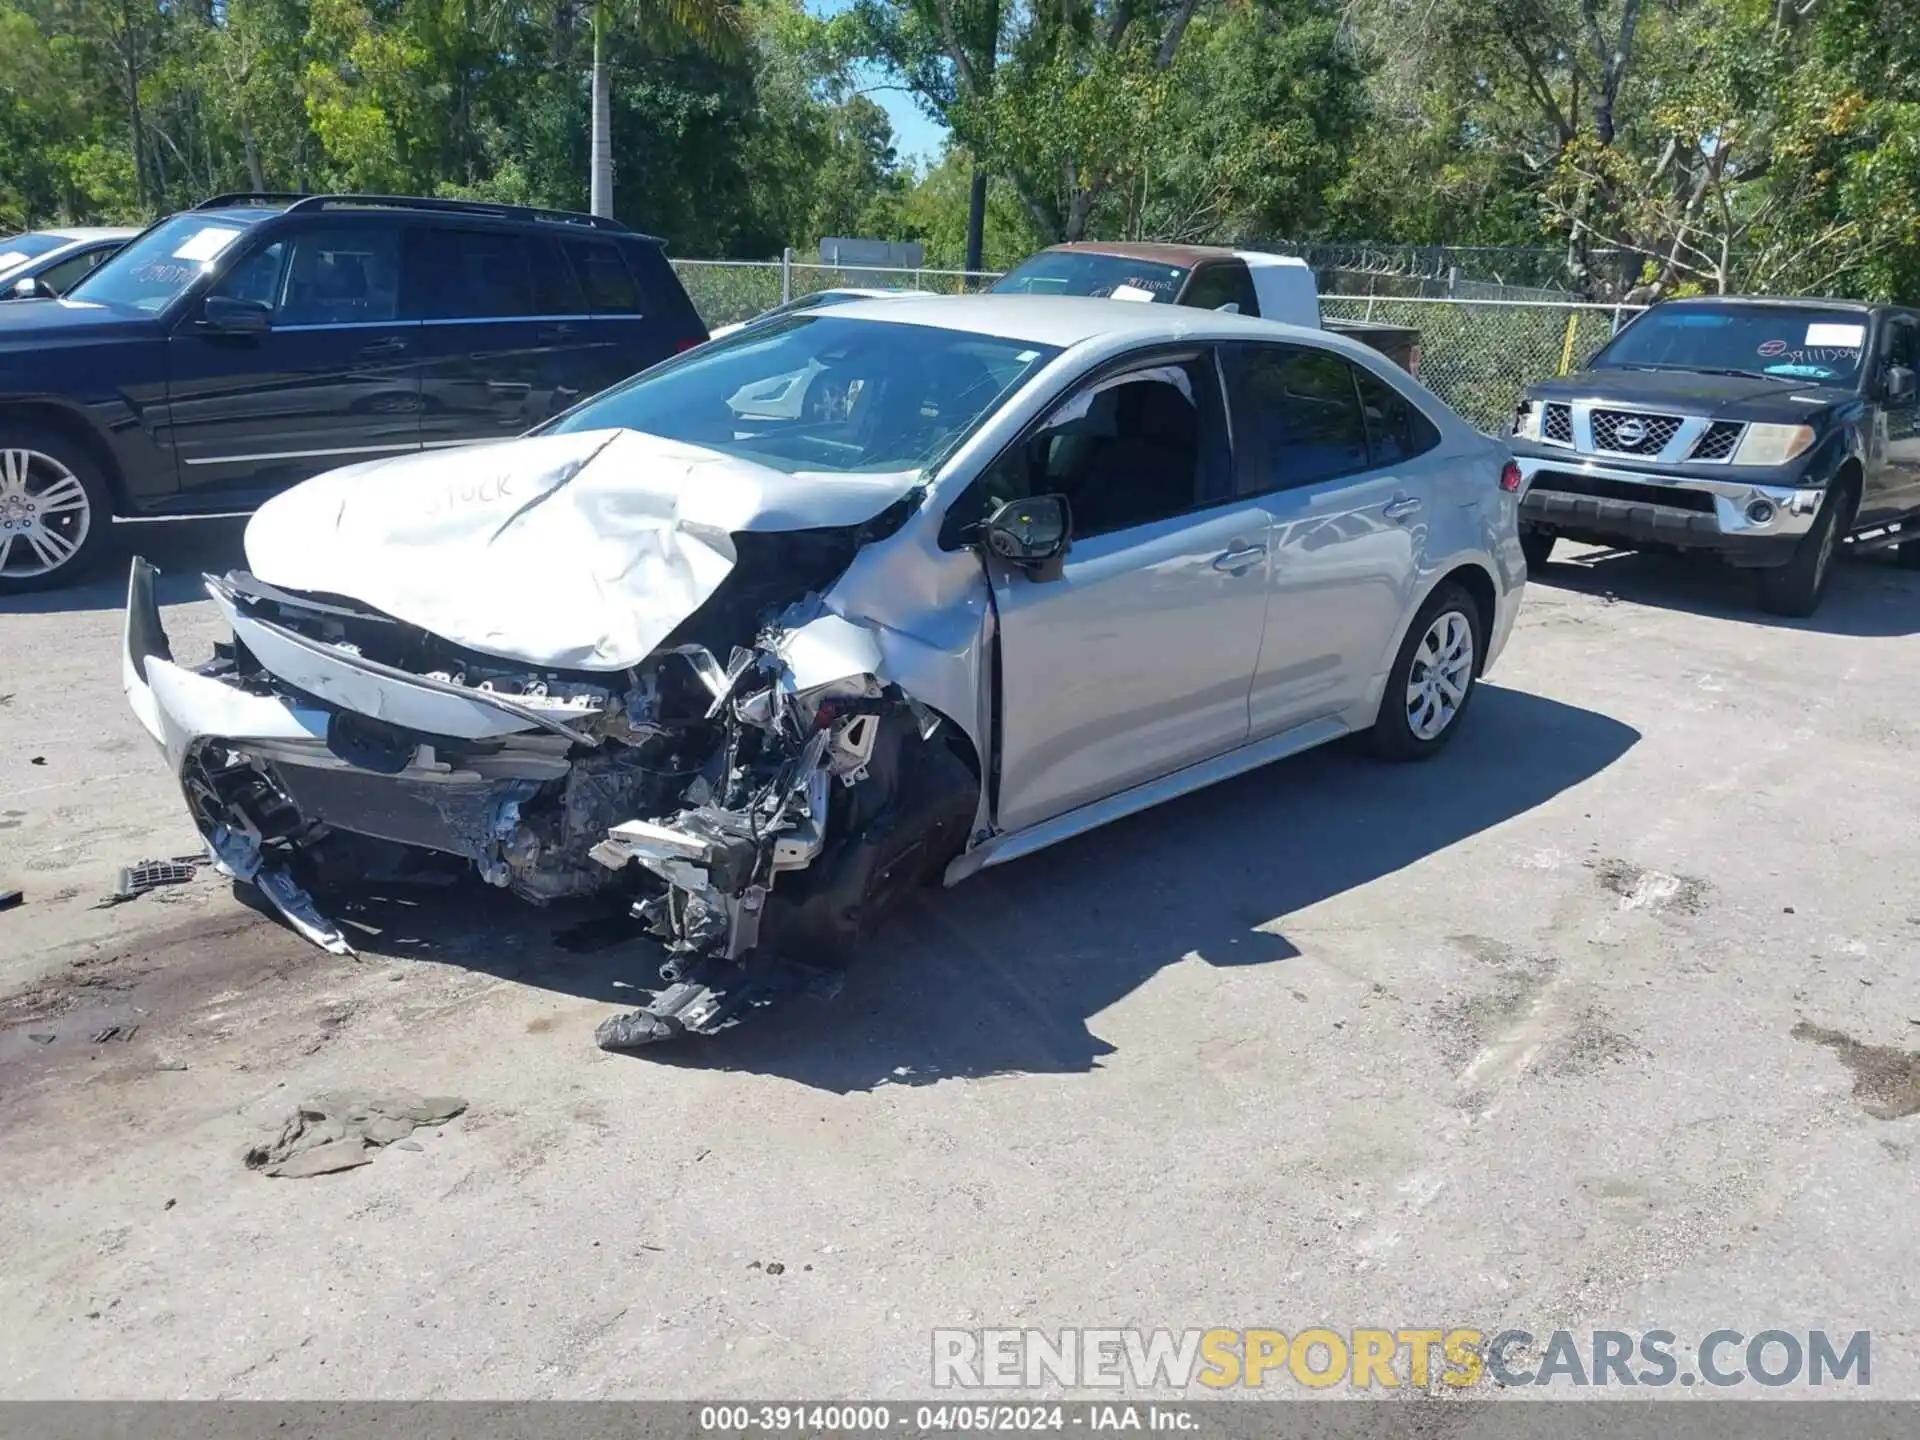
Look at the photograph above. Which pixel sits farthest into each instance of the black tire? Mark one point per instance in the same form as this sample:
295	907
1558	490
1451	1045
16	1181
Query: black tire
1393	736
1537	546
43	553
1795	589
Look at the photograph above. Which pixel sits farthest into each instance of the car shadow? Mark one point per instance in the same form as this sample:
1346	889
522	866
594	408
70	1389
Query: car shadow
182	549
1869	596
1004	973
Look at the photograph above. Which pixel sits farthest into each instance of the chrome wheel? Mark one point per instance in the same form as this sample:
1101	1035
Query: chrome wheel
1442	670
44	514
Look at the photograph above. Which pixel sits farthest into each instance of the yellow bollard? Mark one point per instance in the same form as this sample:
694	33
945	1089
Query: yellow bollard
1566	351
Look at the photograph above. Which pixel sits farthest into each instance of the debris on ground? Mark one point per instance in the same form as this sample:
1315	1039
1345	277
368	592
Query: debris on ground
10	898
114	1032
346	1129
38	760
41	1037
137	880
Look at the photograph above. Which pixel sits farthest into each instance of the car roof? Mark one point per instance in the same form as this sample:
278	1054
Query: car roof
1188	255
1793	302
1066	320
239	214
93	232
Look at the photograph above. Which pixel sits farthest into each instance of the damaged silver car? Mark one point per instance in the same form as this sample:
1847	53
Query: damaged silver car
842	605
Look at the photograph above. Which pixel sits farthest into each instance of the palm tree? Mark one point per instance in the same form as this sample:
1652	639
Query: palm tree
715	25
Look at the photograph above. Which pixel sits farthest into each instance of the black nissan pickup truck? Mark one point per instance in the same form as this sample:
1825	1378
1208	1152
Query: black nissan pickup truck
1764	432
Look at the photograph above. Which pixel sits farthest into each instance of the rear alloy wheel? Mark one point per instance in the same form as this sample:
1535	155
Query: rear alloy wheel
1795	588
53	512
1432	679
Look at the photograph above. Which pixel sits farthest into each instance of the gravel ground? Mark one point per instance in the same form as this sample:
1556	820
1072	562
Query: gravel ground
1601	1020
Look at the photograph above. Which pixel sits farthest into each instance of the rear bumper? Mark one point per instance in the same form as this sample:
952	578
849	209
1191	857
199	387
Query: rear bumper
1743	522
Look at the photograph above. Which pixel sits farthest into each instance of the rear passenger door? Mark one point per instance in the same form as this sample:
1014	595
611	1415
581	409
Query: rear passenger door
1325	446
334	380
504	331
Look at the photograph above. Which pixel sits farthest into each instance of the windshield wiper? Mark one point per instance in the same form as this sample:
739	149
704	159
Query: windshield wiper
1747	374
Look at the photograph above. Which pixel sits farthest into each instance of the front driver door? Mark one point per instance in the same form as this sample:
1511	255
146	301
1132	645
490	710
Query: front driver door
1892	486
1135	659
334	381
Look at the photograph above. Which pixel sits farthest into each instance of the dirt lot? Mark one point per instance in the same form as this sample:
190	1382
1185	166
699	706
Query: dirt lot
1509	1039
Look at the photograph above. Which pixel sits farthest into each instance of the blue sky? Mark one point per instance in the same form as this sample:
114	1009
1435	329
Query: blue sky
917	138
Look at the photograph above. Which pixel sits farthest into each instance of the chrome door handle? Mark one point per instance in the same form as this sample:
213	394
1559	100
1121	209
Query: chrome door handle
1401	507
1239	559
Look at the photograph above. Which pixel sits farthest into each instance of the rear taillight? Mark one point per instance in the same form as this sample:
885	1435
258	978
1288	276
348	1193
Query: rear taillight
685	345
1510	478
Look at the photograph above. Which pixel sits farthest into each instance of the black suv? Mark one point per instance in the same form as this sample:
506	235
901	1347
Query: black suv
1765	432
233	350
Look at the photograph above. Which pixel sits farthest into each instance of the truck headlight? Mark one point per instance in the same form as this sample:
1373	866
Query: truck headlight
1526	420
1773	444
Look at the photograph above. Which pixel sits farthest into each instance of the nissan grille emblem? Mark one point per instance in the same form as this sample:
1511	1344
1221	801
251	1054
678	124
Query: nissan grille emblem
1630	433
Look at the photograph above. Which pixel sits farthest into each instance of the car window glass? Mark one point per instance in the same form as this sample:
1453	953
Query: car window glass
1301	416
1901	334
1396	430
821	394
604	274
1126	450
1214	286
256	278
556	289
62	276
457	274
342	275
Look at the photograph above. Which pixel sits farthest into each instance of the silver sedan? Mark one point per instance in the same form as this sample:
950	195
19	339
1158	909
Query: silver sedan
846	602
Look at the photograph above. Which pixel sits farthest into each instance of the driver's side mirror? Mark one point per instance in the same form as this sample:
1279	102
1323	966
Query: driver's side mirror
1900	383
32	288
237	316
1032	534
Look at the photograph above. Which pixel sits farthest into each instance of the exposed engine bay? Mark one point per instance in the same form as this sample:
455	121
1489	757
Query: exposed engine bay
753	789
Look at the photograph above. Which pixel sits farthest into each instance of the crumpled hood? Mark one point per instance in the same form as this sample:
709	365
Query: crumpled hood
577	551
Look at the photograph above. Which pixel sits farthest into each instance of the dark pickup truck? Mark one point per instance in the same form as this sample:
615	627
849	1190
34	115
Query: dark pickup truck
1764	432
1205	277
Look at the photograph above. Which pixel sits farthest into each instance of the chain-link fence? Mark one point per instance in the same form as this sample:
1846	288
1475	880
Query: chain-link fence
1480	355
1477	355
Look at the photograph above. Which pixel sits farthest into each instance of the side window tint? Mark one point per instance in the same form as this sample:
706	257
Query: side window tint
1301	415
1905	351
1396	430
468	275
256	278
1214	286
604	274
342	275
556	289
64	276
